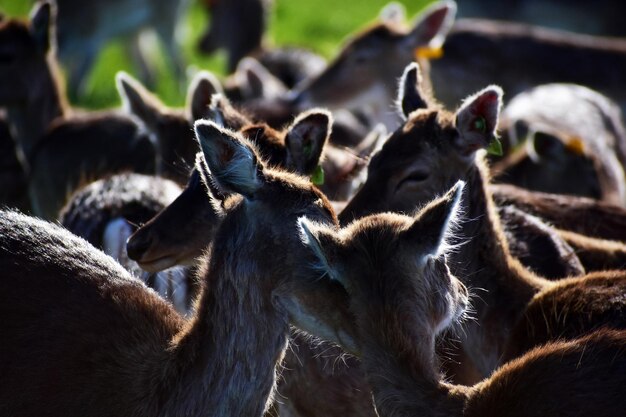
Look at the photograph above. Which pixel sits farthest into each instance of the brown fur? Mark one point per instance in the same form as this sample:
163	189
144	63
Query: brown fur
113	335
400	303
431	143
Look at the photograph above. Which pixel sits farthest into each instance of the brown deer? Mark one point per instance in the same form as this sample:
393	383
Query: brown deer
403	297
110	333
567	140
364	74
83	31
427	155
62	150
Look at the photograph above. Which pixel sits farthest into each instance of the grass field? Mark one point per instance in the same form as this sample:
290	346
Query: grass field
316	24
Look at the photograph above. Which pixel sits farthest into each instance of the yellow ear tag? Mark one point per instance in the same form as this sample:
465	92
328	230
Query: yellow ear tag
426	52
576	146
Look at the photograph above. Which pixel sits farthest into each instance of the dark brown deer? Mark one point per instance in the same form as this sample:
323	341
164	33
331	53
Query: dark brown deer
403	296
62	150
83	31
568	139
109	333
426	156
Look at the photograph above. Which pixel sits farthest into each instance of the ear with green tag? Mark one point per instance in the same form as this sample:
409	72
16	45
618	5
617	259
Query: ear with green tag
305	141
477	121
317	177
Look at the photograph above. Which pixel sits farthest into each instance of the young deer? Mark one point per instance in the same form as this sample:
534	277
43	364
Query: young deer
427	155
84	31
61	150
403	296
122	341
569	139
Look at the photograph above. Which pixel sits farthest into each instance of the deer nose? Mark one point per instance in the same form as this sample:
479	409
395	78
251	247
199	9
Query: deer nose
137	245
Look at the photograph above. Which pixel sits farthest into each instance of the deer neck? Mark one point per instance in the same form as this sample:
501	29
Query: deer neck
503	287
226	357
405	379
31	118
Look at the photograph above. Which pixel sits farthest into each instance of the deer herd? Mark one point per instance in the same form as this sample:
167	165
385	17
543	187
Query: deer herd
304	239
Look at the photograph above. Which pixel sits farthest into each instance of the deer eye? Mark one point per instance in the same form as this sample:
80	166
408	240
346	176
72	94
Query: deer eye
413	178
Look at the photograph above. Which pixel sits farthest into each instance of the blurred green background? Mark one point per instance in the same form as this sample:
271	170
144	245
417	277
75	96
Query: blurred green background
319	25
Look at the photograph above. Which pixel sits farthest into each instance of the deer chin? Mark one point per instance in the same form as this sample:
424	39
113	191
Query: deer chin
158	264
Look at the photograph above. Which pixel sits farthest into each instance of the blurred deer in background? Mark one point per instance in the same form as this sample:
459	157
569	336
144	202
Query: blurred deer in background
566	139
84	29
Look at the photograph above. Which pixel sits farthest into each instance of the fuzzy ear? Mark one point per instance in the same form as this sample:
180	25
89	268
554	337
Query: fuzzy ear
259	82
410	97
137	100
477	120
225	115
201	89
324	244
393	13
306	138
232	161
42	24
433	25
433	223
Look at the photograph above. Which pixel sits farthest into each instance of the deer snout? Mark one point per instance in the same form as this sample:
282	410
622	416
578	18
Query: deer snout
137	245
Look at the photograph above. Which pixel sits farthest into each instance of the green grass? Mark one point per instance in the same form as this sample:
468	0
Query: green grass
319	25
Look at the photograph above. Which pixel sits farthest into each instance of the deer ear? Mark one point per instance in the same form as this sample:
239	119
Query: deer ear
259	82
41	18
433	224
324	244
306	138
138	100
232	161
225	115
410	97
477	120
433	25
201	89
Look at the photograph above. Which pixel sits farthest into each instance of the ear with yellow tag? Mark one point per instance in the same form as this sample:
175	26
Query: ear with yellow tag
427	52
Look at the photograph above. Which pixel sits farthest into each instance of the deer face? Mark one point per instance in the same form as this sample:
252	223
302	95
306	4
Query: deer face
23	51
428	154
365	71
393	269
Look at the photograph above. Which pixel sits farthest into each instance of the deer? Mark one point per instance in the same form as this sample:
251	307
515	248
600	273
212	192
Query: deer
433	150
119	338
107	211
364	74
61	148
404	296
569	139
84	31
473	52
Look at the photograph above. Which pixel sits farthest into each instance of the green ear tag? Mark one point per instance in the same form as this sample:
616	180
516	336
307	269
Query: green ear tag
495	147
317	177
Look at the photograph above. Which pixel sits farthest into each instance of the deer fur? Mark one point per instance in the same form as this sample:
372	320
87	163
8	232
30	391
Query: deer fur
444	150
403	296
131	345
